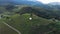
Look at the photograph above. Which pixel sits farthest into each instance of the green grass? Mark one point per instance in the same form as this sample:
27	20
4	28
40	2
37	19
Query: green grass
5	29
23	24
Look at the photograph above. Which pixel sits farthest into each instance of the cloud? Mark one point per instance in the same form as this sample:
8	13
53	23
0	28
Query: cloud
48	1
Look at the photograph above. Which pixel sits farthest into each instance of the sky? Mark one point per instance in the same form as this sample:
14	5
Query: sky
48	1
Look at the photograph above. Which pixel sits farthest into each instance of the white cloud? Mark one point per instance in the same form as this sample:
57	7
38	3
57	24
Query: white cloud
48	1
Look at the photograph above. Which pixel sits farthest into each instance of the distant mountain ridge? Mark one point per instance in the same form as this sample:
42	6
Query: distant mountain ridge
20	2
31	3
54	3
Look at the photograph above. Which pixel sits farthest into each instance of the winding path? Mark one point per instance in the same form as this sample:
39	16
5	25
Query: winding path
12	28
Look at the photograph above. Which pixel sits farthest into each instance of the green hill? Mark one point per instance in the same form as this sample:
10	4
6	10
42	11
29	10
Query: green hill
5	29
36	25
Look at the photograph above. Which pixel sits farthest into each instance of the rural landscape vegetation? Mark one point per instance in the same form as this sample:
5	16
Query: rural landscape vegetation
14	18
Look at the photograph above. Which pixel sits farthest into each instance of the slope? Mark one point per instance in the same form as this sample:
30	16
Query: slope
23	24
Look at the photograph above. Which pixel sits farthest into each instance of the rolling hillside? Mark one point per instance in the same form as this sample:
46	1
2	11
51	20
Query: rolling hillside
45	18
26	26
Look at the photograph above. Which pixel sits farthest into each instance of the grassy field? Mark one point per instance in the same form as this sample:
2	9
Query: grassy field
23	24
5	29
